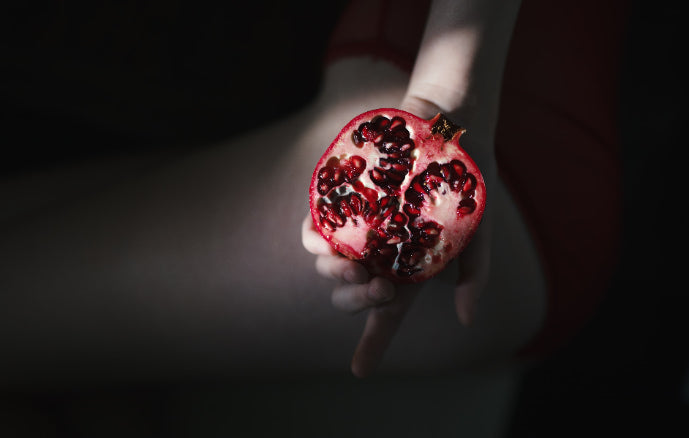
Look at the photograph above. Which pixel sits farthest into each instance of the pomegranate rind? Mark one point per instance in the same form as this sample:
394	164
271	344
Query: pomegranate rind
352	235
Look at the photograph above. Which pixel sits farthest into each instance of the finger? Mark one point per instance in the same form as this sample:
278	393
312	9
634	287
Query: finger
474	266
312	240
420	106
444	61
466	298
357	297
341	268
381	325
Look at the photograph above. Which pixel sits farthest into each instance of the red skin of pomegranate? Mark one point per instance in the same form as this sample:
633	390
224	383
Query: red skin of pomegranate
398	194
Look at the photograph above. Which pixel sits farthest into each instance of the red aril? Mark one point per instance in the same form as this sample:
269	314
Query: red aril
398	194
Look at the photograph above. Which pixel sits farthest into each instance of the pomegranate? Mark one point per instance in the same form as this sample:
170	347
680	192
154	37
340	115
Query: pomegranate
398	194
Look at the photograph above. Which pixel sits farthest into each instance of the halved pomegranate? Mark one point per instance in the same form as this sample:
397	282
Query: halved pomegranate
398	194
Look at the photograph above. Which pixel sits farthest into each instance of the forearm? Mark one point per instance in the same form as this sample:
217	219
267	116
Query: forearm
193	258
459	67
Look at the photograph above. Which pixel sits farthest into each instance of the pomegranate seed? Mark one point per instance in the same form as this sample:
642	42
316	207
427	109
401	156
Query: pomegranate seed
357	139
431	182
418	187
325	173
333	162
380	123
388	205
395	178
378	177
355	204
415	198
399	219
400	167
431	230
447	173
344	208
335	218
397	122
469	184
358	162
458	167
352	168
409	209
367	132
466	206
325	223
338	176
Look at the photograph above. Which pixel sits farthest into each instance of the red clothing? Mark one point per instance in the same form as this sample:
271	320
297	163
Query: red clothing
558	123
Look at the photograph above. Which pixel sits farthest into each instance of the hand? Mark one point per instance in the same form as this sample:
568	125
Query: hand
447	78
388	303
358	291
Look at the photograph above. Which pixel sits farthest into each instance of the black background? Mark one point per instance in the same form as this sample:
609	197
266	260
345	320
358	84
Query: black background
108	78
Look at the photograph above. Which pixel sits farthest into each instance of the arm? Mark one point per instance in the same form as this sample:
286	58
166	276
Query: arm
458	72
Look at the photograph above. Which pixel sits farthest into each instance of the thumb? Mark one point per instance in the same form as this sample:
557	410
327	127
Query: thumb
419	107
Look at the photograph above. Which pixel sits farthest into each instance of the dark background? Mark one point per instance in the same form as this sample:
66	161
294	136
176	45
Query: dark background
625	373
133	76
110	77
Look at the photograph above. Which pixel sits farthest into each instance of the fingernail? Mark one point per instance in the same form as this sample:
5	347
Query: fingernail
380	292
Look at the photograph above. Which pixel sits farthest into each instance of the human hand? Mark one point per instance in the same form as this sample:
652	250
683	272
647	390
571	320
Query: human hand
356	291
442	81
387	303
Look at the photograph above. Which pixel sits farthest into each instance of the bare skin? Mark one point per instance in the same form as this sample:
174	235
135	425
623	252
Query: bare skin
196	266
